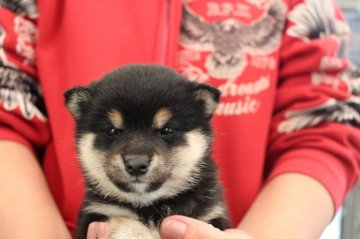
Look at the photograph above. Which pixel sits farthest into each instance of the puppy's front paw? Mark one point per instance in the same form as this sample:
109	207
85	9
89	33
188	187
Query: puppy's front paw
131	229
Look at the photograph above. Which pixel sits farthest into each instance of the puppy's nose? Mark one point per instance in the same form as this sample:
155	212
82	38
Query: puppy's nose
137	164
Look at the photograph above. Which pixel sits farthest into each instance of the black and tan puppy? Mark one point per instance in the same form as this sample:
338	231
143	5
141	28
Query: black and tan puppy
144	140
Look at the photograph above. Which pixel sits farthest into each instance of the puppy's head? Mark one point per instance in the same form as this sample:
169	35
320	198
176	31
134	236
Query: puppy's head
143	132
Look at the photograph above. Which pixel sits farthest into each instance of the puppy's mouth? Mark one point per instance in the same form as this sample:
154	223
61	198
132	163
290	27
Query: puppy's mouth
139	185
138	180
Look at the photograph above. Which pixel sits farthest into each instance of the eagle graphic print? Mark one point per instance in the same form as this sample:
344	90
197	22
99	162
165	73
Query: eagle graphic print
219	45
311	23
19	88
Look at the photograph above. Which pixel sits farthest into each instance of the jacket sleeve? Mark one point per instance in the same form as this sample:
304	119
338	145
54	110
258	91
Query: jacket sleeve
22	111
316	121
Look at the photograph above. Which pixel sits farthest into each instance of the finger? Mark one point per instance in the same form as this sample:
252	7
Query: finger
173	228
238	234
180	227
98	230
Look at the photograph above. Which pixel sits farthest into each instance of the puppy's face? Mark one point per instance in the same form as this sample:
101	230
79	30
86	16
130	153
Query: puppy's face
142	132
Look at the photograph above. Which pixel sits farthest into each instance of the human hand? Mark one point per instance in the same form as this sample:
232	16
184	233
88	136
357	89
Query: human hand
180	227
176	227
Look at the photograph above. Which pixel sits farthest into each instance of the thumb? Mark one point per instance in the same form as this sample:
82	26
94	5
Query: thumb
180	227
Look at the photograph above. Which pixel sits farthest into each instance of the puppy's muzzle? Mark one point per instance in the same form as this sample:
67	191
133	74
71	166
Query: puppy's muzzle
136	164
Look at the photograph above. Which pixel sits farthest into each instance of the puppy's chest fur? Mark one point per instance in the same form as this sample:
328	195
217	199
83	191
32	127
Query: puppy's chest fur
203	202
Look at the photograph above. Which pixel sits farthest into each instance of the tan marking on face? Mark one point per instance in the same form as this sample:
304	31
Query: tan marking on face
116	119
185	161
161	118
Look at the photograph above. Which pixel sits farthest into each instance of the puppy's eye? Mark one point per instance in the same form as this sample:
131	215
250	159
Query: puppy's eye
111	131
165	132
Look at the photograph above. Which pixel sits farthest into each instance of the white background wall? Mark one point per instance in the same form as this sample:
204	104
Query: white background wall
333	231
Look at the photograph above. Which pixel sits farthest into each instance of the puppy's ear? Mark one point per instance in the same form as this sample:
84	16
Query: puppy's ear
209	97
76	98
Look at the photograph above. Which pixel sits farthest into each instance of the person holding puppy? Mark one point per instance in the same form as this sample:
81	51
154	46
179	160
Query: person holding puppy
287	133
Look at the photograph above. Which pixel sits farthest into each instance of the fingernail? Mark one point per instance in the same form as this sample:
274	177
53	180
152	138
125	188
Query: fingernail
102	230
173	229
91	231
97	230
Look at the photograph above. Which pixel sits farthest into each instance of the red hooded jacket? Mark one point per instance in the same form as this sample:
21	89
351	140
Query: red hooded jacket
290	102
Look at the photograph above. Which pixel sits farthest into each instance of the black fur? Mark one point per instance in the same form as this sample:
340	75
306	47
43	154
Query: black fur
138	92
